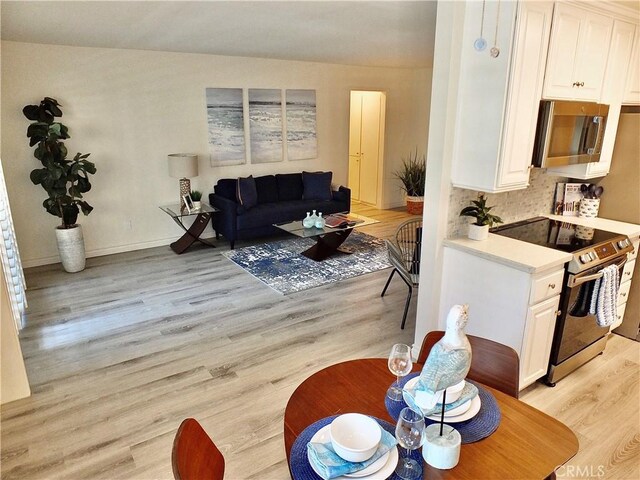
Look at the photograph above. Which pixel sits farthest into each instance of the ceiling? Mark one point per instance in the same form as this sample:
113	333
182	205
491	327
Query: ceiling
373	33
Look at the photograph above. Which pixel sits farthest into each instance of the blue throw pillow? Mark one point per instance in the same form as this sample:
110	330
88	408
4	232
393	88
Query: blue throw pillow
316	185
267	188
247	194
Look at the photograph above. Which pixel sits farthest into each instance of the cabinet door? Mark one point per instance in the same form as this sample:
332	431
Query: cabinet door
591	62
577	54
632	88
536	343
525	90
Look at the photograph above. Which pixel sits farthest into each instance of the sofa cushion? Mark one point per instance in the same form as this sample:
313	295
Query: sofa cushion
227	188
289	186
267	188
281	212
247	193
316	185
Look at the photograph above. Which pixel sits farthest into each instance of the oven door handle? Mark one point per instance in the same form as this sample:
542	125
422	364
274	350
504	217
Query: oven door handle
578	280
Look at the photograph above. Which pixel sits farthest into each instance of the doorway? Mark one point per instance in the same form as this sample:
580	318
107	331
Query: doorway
366	146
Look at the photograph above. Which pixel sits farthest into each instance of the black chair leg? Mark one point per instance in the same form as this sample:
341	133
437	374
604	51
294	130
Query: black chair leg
406	306
384	290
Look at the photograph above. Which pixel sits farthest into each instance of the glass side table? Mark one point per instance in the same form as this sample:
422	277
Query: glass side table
192	234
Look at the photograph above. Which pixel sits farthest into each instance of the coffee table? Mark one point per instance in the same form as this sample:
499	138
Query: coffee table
328	240
192	234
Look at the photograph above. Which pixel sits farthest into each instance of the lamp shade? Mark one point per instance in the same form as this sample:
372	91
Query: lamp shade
183	165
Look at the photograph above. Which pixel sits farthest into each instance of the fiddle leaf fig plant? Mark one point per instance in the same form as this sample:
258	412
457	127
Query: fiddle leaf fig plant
64	180
480	212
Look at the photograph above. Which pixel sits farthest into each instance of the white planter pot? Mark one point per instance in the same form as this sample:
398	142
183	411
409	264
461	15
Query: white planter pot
71	248
478	232
197	205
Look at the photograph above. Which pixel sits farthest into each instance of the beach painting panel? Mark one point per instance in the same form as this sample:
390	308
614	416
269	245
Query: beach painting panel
265	125
225	126
301	124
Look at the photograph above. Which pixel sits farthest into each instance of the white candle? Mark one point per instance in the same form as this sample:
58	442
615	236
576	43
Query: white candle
441	452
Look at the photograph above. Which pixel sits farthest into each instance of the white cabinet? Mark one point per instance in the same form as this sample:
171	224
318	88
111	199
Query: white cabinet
632	87
624	291
498	98
618	61
578	52
506	304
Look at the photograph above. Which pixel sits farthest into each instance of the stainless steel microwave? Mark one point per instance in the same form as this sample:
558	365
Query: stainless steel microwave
569	132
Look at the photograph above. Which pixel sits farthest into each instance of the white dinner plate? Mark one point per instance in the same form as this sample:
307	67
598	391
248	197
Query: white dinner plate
474	408
378	470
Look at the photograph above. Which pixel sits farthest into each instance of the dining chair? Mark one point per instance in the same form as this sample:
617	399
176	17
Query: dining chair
404	256
194	455
492	363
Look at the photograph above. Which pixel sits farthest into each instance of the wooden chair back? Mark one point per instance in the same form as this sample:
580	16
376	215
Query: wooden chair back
194	455
492	363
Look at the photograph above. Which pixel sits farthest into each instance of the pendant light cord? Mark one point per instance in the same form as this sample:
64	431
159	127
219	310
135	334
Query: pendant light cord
482	19
495	38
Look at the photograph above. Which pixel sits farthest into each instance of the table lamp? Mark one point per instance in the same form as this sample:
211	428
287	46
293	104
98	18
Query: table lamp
183	166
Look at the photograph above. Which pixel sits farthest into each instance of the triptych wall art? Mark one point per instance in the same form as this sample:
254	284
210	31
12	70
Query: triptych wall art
278	121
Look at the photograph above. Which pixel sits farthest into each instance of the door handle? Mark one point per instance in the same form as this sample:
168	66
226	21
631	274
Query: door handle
598	120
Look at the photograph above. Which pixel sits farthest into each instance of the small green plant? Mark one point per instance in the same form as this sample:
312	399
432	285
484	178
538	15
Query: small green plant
64	180
196	196
413	174
480	212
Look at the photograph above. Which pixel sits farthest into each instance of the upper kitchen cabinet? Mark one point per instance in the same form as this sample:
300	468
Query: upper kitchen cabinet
632	88
578	52
498	97
618	60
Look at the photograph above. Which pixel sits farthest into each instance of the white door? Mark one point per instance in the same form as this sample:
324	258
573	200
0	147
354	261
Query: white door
365	145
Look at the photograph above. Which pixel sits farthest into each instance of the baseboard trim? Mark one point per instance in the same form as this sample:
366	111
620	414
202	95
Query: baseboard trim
100	252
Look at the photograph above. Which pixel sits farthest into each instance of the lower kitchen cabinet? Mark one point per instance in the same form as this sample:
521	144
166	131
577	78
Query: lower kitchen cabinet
507	303
625	286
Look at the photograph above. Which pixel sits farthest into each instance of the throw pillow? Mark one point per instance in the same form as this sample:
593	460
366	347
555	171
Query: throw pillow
316	185
247	193
289	186
267	189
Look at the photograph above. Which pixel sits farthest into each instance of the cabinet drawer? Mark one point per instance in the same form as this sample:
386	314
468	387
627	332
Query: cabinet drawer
619	316
623	293
546	286
627	273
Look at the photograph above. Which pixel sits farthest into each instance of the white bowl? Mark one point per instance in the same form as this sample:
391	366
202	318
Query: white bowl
355	437
428	400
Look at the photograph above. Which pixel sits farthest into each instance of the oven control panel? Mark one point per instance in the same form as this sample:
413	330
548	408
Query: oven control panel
593	256
605	250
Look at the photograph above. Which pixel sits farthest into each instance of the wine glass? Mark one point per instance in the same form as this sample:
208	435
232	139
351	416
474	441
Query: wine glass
400	365
410	433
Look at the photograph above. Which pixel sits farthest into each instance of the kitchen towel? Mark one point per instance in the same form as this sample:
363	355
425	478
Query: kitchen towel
605	296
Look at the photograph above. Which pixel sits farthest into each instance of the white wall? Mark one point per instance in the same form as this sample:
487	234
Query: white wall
131	108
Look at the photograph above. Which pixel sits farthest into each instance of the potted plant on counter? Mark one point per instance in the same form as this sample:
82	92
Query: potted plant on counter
479	230
64	180
413	176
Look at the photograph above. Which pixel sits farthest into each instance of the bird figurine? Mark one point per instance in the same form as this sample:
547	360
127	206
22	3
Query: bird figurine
449	359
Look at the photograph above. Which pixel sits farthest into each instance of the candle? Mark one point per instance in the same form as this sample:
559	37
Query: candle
441	452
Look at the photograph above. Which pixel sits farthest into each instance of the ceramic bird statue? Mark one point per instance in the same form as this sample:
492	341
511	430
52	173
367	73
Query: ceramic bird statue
449	359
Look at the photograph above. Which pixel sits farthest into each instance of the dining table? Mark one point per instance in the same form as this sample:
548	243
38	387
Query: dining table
528	443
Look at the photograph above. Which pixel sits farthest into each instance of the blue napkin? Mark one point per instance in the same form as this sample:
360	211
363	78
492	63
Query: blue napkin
330	465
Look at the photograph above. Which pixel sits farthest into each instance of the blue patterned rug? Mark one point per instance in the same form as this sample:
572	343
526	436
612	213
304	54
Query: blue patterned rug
280	265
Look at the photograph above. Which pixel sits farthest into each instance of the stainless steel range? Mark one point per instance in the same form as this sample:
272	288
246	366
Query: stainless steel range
578	337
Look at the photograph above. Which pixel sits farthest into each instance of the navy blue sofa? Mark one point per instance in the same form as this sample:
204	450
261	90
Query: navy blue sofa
280	199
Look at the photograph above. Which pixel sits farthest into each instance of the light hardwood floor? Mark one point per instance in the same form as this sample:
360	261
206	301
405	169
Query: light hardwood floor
120	353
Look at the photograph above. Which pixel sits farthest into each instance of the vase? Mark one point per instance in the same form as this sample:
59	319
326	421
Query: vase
320	221
71	248
478	232
415	205
589	207
308	222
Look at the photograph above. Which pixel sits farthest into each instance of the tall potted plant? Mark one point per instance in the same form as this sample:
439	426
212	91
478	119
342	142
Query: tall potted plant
479	230
413	176
64	180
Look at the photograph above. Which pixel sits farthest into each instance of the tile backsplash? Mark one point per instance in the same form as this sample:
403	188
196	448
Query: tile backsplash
510	206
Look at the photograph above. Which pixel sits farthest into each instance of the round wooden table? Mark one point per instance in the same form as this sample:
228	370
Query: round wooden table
527	444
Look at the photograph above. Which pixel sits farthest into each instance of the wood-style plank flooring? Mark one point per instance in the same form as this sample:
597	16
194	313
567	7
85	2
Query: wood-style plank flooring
120	353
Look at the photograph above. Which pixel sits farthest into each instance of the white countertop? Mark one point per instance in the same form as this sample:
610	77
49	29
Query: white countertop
511	252
535	258
631	230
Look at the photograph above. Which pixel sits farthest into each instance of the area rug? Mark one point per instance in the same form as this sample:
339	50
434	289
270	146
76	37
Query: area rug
280	266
